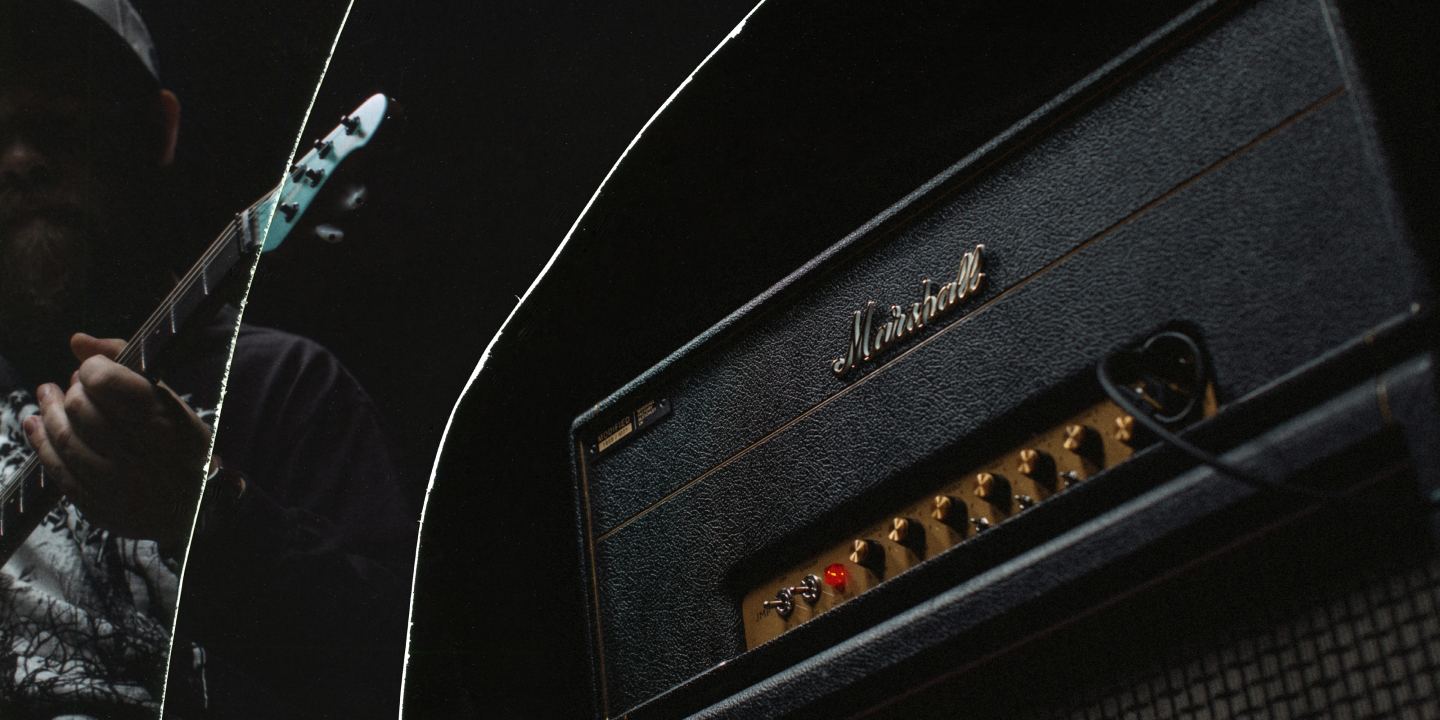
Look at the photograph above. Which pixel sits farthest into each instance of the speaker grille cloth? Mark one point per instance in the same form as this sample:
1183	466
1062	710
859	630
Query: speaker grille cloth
1360	652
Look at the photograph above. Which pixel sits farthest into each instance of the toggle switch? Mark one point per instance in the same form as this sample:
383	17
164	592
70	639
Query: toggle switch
783	604
808	589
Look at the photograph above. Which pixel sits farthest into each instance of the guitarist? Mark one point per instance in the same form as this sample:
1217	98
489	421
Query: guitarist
296	589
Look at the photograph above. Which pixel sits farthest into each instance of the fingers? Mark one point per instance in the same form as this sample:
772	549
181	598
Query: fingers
49	460
85	346
64	455
123	449
118	391
70	448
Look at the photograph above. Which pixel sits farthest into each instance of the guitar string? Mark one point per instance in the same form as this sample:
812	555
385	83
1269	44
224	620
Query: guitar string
136	343
127	354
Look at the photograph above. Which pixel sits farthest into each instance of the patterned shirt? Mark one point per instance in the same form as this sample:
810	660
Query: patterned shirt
84	614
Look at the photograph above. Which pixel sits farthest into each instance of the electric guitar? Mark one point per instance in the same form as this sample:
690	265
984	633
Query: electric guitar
25	495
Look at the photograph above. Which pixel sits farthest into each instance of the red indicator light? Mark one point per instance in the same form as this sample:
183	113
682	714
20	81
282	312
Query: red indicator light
836	575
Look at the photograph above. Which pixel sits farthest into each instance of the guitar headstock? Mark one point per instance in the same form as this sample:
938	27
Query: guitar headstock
307	177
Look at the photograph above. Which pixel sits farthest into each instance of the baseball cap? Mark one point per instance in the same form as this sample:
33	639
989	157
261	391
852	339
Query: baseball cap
107	36
122	18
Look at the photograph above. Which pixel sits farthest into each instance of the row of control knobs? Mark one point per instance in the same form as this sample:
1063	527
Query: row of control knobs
1081	440
995	490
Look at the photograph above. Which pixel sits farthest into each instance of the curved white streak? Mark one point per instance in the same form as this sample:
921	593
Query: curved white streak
234	337
535	283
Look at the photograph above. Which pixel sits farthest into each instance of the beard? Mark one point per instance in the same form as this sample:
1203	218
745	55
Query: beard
45	269
65	268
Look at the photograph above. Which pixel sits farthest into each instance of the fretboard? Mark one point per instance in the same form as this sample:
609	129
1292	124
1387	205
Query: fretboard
26	495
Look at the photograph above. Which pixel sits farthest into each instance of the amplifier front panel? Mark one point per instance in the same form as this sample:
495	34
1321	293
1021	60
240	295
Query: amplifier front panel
1230	185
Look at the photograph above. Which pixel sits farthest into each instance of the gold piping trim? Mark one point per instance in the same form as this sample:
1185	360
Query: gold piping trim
1383	397
594	580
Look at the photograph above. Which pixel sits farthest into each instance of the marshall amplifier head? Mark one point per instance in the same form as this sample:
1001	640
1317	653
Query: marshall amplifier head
1176	304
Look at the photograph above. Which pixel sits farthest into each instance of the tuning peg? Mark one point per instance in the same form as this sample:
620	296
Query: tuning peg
289	210
322	147
354	198
351	124
329	233
315	174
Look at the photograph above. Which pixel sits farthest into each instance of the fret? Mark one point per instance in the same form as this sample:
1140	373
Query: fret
226	255
245	234
185	303
153	344
25	499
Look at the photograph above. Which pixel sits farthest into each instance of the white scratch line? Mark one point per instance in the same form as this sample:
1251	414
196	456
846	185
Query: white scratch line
229	358
486	355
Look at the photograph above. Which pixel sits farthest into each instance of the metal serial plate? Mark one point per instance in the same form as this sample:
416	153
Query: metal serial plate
626	428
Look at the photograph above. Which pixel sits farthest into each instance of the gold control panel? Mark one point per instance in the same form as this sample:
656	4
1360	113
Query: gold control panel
980	498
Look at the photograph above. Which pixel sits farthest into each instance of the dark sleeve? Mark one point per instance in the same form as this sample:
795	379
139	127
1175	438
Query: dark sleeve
302	584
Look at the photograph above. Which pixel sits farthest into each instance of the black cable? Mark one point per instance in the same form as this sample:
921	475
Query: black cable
1124	400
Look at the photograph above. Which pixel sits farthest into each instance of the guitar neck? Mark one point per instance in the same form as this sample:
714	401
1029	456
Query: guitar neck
26	496
196	292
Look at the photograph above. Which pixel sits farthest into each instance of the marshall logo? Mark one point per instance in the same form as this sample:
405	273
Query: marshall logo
867	338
